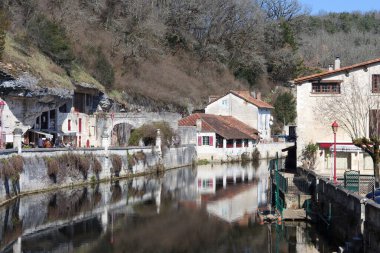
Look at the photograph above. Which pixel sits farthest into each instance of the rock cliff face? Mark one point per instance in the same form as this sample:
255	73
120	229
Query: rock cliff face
26	100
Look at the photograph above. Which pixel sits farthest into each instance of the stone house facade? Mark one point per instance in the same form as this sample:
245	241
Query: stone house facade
248	109
314	119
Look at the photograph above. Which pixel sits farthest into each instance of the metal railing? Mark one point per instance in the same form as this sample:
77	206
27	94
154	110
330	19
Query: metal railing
362	186
281	181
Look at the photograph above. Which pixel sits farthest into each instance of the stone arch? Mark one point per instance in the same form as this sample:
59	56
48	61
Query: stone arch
120	134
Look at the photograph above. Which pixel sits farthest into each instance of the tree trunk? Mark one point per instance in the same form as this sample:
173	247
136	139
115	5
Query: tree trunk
376	166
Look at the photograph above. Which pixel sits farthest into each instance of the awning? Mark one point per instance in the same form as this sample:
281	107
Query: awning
47	135
346	148
329	144
60	133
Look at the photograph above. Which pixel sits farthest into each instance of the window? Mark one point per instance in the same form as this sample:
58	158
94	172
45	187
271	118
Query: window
205	141
376	83
225	102
374	123
326	88
205	183
88	100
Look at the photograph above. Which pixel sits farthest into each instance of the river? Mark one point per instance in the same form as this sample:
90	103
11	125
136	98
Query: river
182	210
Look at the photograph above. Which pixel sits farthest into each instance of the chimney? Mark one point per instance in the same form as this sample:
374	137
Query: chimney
253	94
337	63
331	67
199	125
258	95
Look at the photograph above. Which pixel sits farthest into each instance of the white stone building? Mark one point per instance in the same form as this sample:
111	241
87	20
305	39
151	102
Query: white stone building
219	138
243	106
314	118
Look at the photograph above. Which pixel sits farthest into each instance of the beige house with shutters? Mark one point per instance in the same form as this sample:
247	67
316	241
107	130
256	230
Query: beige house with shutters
314	117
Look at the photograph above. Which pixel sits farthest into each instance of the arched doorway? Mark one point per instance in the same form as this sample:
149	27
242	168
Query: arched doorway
120	135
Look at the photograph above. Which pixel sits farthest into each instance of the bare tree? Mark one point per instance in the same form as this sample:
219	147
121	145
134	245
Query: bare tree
357	110
282	9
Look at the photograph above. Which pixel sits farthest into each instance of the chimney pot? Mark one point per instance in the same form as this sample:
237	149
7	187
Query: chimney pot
258	95
253	94
199	125
337	63
331	67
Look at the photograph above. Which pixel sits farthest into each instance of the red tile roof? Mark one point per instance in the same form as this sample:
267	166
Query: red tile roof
246	95
226	126
332	72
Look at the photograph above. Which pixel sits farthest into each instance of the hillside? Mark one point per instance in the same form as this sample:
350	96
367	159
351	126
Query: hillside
173	54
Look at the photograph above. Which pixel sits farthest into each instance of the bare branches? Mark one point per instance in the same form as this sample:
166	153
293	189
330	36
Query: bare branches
282	9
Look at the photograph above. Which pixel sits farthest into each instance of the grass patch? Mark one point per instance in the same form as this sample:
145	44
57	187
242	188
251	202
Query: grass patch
81	76
32	61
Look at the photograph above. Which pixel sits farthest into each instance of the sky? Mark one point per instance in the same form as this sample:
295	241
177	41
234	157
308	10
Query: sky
341	5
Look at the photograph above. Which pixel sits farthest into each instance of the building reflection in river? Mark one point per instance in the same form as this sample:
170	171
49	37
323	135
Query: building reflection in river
122	215
231	191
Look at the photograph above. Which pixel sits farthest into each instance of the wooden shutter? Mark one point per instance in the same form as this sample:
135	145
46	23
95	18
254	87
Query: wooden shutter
69	125
80	125
211	141
199	140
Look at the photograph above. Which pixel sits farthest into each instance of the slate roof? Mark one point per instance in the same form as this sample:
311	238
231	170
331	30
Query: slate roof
245	95
332	72
226	126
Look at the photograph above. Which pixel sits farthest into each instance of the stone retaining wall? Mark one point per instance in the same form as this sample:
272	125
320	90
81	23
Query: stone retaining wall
35	177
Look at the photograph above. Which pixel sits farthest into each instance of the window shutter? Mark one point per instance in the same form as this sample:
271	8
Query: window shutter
199	183
199	140
69	125
211	141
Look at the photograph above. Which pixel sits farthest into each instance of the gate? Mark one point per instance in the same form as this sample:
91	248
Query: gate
351	180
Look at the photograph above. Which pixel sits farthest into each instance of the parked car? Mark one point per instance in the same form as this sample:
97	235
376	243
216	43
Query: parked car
370	194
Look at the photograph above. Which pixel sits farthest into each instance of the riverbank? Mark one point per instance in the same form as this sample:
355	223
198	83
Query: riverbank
35	177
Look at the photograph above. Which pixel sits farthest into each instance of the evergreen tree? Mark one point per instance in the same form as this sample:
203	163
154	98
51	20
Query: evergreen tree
285	108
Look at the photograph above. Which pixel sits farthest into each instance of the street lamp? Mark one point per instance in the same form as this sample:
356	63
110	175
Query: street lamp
334	127
2	105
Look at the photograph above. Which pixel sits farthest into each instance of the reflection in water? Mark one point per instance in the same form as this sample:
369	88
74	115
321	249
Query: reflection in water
184	210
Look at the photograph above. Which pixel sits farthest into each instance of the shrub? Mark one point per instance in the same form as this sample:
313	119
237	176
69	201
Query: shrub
308	155
203	162
148	133
52	165
117	164
51	38
96	167
4	23
103	70
6	169
17	163
83	163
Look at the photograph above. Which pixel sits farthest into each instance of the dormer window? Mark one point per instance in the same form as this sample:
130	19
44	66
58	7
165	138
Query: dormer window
326	88
376	83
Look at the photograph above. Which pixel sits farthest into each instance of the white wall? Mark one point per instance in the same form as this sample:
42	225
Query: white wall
236	107
311	126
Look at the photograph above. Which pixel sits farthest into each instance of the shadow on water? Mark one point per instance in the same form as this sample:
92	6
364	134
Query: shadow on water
184	210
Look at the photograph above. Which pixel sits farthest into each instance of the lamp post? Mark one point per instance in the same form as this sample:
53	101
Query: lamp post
334	127
2	105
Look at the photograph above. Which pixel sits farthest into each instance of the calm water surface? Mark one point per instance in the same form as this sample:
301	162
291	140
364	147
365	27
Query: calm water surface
206	209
